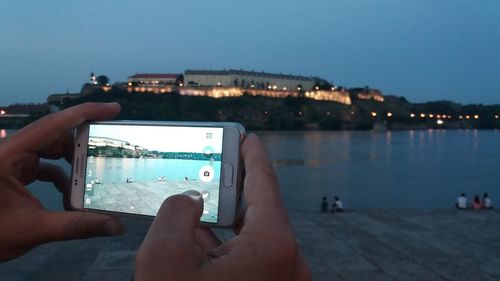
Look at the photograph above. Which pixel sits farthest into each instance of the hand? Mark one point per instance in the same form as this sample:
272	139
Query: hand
176	248
24	222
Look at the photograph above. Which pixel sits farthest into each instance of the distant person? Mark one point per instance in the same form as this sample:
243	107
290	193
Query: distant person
476	203
337	205
324	205
487	202
461	202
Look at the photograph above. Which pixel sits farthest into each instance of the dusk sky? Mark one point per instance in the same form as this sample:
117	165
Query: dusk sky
423	50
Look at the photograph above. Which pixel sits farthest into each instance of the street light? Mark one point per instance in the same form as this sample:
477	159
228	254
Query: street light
2	112
412	115
389	114
374	114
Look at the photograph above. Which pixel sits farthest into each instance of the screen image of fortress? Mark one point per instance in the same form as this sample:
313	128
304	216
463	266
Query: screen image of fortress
133	168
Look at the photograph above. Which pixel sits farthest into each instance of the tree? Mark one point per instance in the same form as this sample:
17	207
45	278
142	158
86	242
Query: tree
102	80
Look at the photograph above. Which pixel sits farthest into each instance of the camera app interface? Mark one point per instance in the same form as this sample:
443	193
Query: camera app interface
133	168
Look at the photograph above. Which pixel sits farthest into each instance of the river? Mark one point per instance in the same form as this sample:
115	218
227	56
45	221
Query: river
399	169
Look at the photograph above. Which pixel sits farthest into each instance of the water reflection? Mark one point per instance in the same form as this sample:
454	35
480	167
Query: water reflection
3	133
401	169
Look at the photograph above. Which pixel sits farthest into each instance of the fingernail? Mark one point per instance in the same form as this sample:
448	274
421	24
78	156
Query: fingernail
195	195
113	228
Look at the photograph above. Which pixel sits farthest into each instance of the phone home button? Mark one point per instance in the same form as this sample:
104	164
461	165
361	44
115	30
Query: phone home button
228	175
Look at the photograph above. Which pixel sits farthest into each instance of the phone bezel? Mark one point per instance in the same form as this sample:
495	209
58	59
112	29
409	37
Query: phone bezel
233	135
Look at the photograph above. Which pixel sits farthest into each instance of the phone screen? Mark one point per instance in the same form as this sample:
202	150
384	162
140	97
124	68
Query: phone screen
134	168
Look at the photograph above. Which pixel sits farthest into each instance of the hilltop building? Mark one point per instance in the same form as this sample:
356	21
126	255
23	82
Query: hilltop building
145	79
248	80
220	84
234	83
103	142
366	94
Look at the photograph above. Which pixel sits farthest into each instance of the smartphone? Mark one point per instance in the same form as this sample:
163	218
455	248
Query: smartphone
131	167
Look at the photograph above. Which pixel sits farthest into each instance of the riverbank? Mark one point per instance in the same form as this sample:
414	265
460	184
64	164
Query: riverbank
355	245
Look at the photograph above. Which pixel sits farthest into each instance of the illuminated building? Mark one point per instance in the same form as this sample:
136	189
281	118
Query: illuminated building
151	79
247	79
234	83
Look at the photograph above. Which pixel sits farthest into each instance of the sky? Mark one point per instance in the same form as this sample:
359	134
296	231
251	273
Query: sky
423	50
187	139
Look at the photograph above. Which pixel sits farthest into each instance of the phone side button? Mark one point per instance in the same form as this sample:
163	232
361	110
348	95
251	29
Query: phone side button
228	175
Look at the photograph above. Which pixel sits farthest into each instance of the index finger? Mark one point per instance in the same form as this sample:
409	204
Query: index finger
51	128
261	188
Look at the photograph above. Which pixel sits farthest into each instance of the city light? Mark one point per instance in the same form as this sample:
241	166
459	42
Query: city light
2	112
460	117
328	113
439	122
129	84
389	114
431	115
317	88
412	115
180	84
496	116
467	116
422	115
374	114
476	116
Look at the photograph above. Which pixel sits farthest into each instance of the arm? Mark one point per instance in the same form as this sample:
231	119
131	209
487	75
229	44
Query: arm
265	248
24	222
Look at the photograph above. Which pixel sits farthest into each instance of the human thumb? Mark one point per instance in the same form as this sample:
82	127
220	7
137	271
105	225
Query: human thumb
78	225
178	217
171	240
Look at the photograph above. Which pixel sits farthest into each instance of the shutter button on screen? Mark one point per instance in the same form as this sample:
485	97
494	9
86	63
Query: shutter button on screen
228	175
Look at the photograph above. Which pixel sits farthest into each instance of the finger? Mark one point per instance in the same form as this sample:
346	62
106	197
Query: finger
206	238
261	184
177	220
52	173
51	128
57	226
170	242
68	146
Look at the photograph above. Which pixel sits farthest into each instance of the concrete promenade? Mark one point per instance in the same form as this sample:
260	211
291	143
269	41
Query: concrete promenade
355	245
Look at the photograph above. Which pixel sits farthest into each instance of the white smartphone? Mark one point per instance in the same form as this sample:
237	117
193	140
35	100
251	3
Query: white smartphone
131	167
